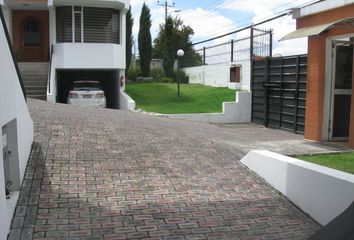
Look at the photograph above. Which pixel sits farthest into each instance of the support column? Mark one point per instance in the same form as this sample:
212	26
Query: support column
315	87
351	128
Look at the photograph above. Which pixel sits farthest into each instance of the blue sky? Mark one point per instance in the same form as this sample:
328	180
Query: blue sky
210	18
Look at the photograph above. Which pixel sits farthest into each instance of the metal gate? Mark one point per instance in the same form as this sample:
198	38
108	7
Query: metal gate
279	92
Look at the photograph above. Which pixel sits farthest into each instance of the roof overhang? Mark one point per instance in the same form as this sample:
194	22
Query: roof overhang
317	30
117	4
26	4
319	7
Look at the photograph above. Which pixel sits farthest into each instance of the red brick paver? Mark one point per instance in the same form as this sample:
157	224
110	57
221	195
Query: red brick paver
105	174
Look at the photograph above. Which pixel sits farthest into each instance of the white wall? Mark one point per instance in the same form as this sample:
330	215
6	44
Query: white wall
125	101
89	56
8	18
322	192
12	105
218	75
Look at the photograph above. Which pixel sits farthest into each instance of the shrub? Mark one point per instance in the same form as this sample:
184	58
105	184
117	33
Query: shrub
144	80
133	73
184	77
157	74
167	80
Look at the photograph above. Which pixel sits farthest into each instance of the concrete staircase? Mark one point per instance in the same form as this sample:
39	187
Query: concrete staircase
35	77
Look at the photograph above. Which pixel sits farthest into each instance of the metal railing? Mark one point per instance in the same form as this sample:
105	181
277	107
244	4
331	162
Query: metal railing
257	44
50	69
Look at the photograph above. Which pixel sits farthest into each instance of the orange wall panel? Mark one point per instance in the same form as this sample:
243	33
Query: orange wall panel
315	88
326	17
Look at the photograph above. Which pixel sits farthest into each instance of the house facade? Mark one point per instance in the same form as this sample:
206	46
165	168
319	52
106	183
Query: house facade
329	26
60	41
16	129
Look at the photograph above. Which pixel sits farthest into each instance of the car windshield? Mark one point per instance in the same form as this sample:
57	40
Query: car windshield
87	86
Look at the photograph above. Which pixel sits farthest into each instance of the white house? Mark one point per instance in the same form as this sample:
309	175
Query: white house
60	41
16	129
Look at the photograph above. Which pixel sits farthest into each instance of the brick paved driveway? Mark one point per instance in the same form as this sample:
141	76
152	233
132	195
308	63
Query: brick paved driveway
105	174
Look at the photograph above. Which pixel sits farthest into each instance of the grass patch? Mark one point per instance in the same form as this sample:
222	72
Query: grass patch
340	161
162	97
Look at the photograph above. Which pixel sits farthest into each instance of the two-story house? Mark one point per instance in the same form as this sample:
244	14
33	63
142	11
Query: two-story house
59	41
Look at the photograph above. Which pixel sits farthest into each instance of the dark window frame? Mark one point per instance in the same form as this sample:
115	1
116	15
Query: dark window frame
30	24
235	74
98	25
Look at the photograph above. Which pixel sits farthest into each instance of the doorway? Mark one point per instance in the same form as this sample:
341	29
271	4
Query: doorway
31	40
342	73
31	35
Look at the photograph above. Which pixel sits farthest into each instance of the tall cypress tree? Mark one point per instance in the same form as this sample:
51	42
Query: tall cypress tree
169	47
144	41
129	38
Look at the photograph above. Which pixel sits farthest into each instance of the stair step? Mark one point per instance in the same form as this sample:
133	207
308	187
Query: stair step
41	97
35	78
36	88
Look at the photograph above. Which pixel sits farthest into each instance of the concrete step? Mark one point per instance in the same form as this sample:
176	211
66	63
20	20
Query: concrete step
34	74
35	78
41	97
31	65
36	88
35	83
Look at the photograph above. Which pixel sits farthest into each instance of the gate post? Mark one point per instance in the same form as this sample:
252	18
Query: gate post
270	43
203	55
266	92
232	50
297	93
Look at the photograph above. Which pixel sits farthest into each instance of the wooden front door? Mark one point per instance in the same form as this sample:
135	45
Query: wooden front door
31	35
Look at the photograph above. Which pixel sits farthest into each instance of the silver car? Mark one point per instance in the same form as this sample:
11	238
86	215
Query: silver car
87	93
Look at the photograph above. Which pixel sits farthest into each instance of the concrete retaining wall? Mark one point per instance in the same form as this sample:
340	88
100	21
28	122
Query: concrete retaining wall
218	75
125	101
321	192
15	116
233	112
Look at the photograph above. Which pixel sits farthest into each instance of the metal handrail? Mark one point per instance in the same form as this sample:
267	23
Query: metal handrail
50	68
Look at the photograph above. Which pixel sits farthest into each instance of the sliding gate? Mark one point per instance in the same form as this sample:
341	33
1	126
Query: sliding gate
279	92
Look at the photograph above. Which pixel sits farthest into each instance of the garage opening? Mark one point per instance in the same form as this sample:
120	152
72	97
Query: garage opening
109	80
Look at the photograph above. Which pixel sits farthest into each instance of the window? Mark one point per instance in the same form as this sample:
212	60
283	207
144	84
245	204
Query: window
64	24
31	33
235	74
78	24
91	25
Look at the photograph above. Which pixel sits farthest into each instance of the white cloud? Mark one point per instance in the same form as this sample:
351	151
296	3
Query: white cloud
207	22
281	27
263	9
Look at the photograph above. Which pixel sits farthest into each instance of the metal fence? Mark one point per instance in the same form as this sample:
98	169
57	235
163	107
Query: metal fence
258	43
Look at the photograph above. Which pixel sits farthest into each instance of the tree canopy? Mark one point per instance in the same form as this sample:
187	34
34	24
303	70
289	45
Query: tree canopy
178	38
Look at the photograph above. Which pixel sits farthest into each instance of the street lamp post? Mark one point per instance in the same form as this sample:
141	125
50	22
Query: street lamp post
180	54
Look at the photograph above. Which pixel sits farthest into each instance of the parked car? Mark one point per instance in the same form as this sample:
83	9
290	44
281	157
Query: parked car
87	93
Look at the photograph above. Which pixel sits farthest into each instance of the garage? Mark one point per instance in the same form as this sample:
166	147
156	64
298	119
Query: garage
109	80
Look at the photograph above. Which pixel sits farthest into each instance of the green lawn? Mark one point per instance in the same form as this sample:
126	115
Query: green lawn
162	97
340	161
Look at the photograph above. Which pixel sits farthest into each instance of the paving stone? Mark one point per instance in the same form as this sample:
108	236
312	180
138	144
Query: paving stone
104	174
